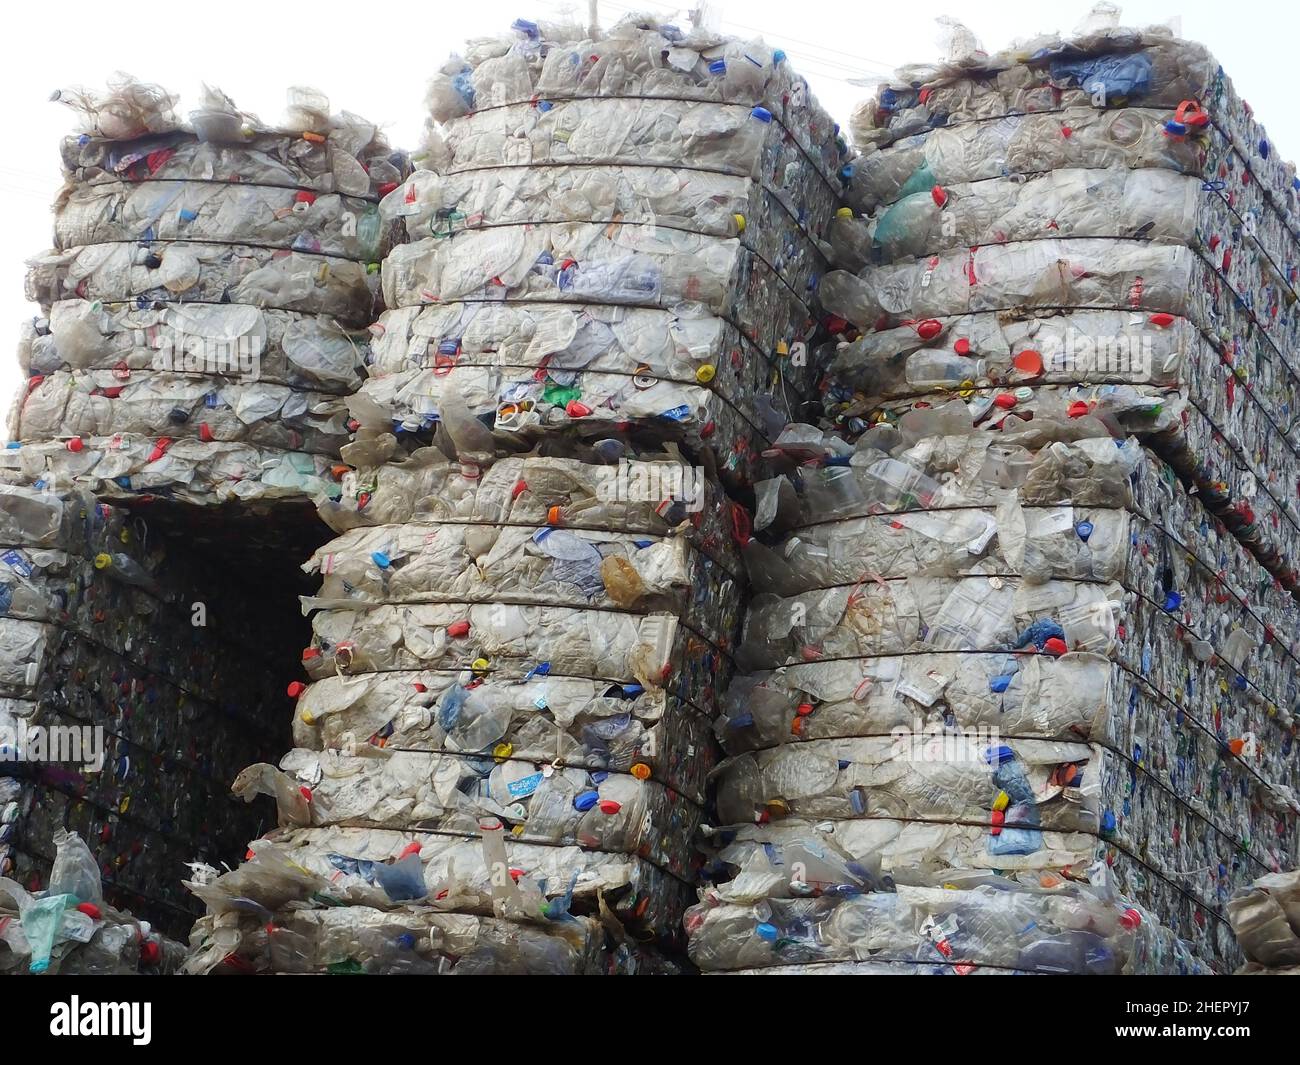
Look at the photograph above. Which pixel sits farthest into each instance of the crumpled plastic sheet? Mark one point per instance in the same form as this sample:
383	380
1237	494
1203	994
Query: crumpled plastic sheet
119	944
1266	921
193	471
357	939
985	930
97	636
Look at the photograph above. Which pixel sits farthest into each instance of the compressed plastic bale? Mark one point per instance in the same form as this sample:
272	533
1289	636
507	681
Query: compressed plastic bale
637	57
459	873
1186	575
653	650
204	273
570	721
447	793
607	263
604	368
652	495
527	576
350	161
432	562
225	341
178	405
962	931
200	212
120	467
356	939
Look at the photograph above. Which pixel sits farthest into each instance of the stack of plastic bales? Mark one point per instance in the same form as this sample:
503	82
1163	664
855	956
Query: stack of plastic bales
1047	215
70	929
131	694
524	630
1018	700
203	298
616	233
1266	921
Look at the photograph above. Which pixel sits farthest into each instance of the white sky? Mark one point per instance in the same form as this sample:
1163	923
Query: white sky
376	60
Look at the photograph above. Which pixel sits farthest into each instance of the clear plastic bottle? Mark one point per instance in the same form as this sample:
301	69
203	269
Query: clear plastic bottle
937	368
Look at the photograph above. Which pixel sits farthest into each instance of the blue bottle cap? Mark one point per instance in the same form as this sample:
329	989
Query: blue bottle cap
1000	683
767	932
586	800
406	941
1084	529
762	114
718	66
380	559
1108	821
778	56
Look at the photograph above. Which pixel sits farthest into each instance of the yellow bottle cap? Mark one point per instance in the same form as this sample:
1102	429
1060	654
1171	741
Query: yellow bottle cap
308	718
103	561
740	222
1002	801
502	751
705	374
480	665
844	212
641	771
